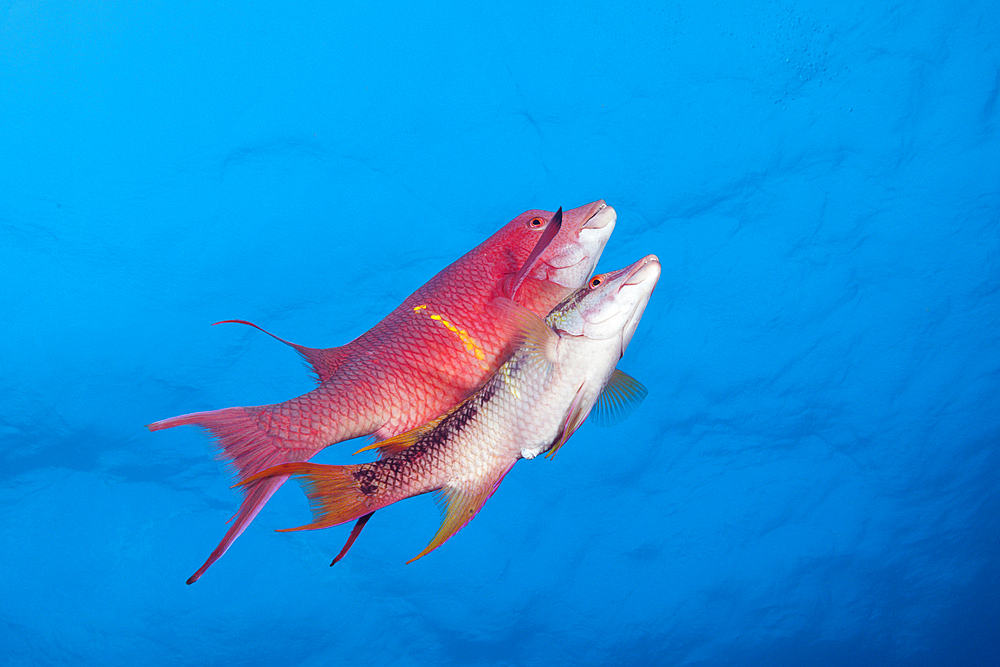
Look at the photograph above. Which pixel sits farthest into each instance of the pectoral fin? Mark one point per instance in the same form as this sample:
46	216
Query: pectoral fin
513	282
620	397
529	333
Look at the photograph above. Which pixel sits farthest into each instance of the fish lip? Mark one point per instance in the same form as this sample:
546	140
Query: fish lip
593	216
640	271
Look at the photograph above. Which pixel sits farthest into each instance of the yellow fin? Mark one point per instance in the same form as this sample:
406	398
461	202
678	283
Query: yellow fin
620	397
529	332
458	507
398	443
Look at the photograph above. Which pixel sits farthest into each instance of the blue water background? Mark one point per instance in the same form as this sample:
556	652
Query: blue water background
814	478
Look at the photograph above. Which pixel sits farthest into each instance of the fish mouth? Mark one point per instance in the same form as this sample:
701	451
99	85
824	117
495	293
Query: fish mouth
598	215
645	269
639	280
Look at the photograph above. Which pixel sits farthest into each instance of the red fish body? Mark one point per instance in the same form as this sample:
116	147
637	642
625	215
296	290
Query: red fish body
426	356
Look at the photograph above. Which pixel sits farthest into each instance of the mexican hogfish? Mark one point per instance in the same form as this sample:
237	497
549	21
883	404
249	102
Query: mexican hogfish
427	355
561	368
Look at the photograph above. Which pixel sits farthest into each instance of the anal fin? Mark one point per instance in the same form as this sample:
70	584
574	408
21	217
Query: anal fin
459	506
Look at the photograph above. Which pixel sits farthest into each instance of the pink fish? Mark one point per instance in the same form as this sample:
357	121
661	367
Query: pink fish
562	368
425	357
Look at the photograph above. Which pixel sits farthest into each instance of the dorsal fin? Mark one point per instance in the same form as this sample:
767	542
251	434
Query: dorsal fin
398	443
324	361
620	397
513	282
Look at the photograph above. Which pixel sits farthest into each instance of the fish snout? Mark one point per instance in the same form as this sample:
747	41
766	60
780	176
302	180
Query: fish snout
647	268
595	215
598	215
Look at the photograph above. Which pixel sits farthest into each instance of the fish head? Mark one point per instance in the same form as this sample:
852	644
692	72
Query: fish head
610	305
572	256
560	259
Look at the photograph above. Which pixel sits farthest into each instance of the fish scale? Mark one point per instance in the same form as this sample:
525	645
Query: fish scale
532	405
427	355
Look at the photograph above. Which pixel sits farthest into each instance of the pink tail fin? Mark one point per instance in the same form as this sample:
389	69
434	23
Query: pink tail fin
251	439
256	496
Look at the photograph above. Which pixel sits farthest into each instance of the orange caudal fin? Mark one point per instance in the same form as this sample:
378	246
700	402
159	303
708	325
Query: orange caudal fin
324	361
334	493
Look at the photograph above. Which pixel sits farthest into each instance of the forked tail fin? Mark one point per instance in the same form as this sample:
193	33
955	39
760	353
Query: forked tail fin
255	496
251	439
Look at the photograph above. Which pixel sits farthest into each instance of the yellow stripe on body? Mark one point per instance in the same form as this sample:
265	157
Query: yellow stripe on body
468	341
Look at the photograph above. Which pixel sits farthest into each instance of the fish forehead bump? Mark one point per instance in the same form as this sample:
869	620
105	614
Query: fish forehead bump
646	270
581	215
595	216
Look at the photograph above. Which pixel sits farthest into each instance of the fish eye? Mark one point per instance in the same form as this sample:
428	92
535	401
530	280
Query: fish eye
535	223
596	280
